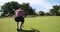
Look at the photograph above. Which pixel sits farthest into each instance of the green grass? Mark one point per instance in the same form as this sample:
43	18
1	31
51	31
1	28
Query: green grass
42	24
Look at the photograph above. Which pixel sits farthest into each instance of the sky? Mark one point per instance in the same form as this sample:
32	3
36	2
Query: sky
39	5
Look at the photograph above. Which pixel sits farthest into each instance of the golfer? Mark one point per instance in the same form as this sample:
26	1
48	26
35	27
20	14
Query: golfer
19	17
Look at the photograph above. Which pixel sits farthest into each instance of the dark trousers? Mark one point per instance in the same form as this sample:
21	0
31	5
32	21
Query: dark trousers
19	19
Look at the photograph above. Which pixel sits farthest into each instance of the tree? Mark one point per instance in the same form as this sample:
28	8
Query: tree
41	13
28	9
8	8
47	14
54	10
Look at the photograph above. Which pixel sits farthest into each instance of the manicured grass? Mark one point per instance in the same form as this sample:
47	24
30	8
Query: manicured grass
42	24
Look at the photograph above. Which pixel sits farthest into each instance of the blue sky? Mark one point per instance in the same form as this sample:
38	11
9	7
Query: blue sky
39	5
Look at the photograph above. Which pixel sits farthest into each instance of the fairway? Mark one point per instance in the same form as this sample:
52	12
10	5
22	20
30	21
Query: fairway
41	24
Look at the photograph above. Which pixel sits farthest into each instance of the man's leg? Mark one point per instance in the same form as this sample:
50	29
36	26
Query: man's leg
21	25
17	25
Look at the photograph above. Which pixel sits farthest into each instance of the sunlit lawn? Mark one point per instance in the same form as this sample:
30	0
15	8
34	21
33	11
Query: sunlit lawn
42	24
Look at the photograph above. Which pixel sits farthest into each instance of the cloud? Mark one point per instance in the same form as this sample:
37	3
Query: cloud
38	2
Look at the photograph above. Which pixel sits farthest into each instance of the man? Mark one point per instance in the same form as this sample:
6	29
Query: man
19	17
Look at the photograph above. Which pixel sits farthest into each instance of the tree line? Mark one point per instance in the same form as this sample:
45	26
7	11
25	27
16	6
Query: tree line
54	11
9	8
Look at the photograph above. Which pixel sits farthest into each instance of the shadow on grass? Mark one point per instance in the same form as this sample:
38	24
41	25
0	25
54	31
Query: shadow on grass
33	30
